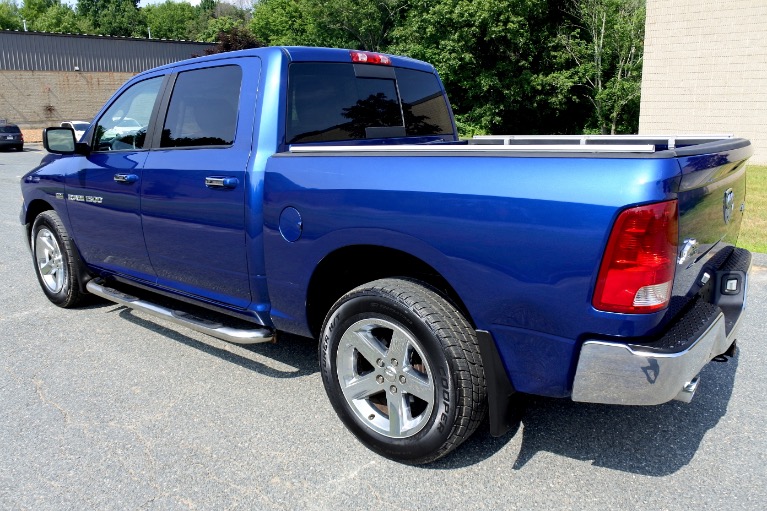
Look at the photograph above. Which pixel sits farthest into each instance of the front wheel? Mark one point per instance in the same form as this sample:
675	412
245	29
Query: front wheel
55	260
402	369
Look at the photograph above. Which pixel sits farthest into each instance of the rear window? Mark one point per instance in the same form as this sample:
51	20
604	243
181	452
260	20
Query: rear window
9	128
329	102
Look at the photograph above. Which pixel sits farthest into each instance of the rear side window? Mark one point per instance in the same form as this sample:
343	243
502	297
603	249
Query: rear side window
328	102
203	108
423	104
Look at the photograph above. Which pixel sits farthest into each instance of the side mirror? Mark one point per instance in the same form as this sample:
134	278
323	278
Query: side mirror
62	141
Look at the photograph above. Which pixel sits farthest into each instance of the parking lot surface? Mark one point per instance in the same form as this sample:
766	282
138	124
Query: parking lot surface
104	408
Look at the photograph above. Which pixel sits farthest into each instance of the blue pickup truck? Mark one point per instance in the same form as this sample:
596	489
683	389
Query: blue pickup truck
326	193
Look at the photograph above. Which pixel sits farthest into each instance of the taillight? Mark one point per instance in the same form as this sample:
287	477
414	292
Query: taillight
637	270
367	57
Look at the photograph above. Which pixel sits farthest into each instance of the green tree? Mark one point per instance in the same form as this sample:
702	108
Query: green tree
205	12
360	24
498	63
171	20
237	38
207	5
10	19
33	9
282	22
605	41
113	17
227	9
216	26
60	18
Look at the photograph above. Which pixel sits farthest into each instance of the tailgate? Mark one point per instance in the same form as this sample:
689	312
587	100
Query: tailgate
712	198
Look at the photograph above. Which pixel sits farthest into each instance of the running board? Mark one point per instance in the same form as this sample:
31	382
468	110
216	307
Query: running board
212	328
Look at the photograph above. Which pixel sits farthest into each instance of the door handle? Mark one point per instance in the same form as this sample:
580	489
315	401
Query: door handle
126	178
221	182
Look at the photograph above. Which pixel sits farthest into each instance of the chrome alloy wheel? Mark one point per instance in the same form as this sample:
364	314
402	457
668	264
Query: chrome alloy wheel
50	261
385	377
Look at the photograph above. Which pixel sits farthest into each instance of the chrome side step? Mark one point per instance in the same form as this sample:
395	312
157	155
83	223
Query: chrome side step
212	328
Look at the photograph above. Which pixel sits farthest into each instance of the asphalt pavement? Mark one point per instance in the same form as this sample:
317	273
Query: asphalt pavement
104	408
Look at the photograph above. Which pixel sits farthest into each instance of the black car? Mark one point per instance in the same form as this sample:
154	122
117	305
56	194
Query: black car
11	137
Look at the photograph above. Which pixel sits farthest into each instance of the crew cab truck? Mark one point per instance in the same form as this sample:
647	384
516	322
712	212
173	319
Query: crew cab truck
326	193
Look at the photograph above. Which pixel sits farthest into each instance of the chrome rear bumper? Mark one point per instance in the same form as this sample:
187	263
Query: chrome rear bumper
615	373
656	372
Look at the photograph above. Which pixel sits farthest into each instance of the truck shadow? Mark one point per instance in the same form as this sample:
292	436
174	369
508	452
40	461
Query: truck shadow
647	440
294	355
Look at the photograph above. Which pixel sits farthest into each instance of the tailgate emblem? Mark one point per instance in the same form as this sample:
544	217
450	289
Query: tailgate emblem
729	205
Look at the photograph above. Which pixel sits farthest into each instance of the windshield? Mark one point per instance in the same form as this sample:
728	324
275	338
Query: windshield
10	128
80	126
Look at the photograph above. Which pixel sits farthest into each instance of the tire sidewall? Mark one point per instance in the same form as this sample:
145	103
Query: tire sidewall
64	296
437	430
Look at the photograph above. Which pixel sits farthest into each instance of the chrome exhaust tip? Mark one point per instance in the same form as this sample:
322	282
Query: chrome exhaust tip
688	390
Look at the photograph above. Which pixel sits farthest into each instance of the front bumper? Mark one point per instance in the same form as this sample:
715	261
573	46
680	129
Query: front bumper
651	373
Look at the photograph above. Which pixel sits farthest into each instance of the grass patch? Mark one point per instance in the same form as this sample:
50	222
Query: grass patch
753	230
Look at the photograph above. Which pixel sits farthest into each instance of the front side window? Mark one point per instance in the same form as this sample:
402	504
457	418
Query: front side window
203	108
124	125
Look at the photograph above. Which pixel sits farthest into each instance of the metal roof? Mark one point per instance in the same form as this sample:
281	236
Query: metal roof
39	51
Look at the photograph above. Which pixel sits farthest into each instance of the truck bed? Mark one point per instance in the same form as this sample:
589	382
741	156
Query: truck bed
628	146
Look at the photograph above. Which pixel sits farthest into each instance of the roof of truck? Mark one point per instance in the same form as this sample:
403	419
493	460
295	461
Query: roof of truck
299	54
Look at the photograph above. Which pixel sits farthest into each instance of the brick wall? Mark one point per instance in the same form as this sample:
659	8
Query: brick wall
38	99
705	69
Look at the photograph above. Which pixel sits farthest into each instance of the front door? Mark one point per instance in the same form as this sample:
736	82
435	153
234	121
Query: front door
102	191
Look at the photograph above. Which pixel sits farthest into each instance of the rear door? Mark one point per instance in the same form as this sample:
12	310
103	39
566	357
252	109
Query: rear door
195	182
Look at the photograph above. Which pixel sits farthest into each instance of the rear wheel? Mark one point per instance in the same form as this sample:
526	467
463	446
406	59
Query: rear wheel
401	367
55	260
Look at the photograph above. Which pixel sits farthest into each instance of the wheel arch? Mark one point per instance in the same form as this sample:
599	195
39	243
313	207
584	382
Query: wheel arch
340	271
34	208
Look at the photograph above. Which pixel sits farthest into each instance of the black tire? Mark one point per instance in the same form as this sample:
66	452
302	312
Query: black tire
401	337
56	261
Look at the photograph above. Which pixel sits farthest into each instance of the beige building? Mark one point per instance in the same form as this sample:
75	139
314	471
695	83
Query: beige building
49	78
705	70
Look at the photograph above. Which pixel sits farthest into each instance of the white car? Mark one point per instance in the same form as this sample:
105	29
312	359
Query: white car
125	126
79	127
